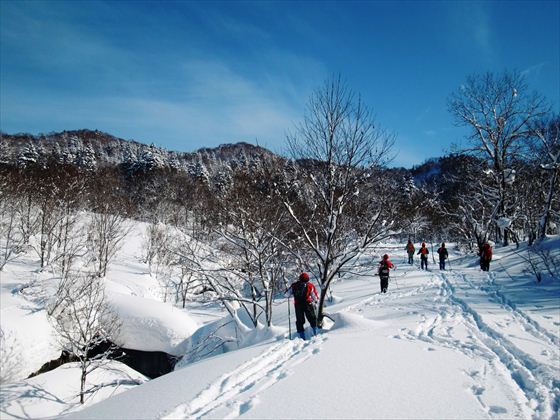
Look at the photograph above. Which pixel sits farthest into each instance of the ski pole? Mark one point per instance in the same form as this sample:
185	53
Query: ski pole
289	320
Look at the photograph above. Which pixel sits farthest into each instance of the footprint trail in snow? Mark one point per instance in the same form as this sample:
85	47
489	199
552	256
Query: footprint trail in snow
236	392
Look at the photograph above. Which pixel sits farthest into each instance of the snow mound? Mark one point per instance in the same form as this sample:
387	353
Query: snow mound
347	320
222	336
150	325
55	393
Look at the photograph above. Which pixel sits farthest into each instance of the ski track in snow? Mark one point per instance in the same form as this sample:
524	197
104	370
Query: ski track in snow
535	385
238	390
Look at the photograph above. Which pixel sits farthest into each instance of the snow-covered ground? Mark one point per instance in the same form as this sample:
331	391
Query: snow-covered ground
455	344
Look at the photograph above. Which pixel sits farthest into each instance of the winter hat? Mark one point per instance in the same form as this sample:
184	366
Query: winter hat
443	244
423	243
304	277
386	257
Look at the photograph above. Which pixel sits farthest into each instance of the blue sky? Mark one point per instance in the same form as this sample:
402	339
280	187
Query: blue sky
186	75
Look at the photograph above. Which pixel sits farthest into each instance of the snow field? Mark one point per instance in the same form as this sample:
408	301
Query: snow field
456	344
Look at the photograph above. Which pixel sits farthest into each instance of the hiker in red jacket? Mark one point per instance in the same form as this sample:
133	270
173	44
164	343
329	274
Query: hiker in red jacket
410	251
384	266
423	256
443	255
485	256
305	295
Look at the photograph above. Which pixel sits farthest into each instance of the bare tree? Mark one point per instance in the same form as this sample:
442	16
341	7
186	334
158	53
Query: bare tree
157	247
83	321
499	111
339	148
49	218
547	136
10	358
106	232
254	222
11	240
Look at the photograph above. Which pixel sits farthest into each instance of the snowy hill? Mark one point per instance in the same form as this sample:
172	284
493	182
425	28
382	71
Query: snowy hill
454	344
91	149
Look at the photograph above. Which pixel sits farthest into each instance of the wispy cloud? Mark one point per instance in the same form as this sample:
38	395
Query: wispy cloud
187	97
535	69
470	22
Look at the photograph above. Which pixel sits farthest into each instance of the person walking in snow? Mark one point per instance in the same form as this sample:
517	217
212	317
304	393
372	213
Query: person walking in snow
410	251
485	256
384	266
423	256
443	255
305	295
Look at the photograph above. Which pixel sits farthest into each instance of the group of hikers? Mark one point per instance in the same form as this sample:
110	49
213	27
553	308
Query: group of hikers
485	255
423	252
305	294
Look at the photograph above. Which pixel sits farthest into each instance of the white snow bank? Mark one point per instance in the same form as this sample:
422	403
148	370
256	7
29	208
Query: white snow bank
149	325
348	320
55	393
222	336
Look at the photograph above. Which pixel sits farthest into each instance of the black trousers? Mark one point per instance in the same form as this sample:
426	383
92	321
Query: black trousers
423	262
303	311
485	265
384	283
411	258
442	264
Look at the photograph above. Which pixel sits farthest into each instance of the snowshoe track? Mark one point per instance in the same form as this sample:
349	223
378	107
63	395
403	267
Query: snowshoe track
238	390
533	379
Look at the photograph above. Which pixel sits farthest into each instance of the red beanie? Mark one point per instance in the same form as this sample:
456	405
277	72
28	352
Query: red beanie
304	277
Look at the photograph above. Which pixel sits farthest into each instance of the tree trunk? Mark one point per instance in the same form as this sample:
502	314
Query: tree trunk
82	384
546	215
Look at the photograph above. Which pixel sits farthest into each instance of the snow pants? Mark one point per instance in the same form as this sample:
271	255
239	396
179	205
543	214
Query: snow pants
424	262
384	282
485	264
411	257
305	311
442	263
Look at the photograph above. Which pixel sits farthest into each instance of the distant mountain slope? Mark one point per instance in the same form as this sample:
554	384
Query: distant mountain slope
93	148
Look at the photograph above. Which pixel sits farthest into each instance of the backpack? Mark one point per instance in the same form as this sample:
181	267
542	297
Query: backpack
299	290
383	269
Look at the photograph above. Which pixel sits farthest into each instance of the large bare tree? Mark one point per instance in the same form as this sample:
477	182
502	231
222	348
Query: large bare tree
339	148
84	321
499	111
547	149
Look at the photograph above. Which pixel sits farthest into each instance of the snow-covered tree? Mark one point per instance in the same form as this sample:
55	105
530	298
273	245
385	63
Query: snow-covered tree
338	147
28	155
499	110
253	223
547	138
83	321
11	239
106	232
86	158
